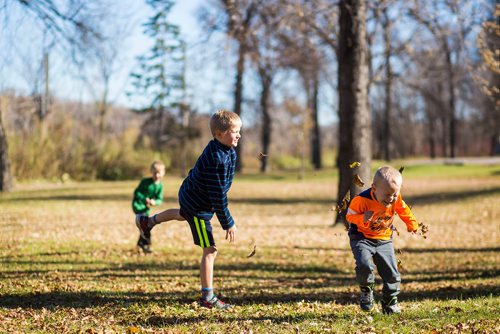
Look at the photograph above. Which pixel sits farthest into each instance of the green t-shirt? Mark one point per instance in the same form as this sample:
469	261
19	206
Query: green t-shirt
147	188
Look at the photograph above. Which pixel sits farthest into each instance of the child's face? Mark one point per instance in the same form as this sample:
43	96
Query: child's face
386	193
229	137
157	174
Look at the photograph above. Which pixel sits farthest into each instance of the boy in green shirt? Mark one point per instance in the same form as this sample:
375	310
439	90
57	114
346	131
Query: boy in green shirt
148	193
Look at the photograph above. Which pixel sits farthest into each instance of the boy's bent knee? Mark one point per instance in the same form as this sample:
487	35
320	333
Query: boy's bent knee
210	251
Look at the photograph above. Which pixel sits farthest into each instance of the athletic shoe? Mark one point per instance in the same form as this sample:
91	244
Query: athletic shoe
145	244
390	307
214	303
366	298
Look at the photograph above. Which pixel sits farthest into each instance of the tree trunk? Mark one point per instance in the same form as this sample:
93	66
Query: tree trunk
431	127
266	119
102	112
315	133
442	119
354	116
388	87
5	175
451	100
238	100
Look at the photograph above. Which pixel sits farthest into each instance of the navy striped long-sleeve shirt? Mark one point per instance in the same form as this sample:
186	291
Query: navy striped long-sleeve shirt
204	190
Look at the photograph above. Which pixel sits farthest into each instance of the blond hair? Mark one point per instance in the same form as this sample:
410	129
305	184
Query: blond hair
223	120
388	174
156	165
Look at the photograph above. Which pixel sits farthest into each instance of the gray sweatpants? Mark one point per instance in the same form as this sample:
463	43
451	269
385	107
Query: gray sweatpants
384	258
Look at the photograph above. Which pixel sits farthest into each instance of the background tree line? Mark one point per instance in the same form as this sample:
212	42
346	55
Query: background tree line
403	78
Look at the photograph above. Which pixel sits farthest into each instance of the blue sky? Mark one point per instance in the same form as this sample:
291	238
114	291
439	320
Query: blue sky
210	74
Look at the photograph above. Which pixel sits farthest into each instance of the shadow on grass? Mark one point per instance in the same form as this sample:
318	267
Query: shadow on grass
450	250
433	198
247	270
430	198
414	200
79	197
92	299
159	321
456	275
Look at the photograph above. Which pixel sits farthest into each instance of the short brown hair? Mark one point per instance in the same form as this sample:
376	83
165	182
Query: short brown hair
223	120
388	174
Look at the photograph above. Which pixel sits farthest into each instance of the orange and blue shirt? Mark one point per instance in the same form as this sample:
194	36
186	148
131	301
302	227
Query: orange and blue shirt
383	217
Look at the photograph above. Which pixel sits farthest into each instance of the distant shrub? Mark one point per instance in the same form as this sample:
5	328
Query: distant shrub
288	162
69	152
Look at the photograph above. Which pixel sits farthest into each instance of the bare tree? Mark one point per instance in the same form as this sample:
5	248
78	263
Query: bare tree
388	83
241	15
75	26
487	77
450	35
299	51
354	116
5	174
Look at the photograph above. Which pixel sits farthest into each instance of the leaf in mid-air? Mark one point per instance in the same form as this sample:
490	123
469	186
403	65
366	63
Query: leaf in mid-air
355	164
401	169
262	155
345	202
253	252
357	180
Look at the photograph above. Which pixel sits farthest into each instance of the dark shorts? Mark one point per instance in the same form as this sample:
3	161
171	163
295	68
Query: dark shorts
200	229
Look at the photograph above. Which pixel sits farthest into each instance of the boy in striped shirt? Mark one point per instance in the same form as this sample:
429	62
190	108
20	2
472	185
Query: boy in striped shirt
370	215
203	193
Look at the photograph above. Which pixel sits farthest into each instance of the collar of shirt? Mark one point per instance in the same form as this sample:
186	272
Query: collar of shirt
222	146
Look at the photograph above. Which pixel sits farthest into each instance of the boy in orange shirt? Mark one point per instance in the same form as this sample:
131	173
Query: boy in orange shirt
370	215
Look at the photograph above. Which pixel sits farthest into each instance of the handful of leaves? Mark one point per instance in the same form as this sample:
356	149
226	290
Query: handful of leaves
423	230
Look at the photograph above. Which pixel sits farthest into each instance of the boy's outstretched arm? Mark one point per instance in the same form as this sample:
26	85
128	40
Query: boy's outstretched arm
404	212
218	195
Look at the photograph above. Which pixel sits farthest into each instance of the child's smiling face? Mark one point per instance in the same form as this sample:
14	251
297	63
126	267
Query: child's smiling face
229	137
386	193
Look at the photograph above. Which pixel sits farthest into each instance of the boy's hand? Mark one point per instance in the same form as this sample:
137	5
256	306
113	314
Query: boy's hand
231	233
368	216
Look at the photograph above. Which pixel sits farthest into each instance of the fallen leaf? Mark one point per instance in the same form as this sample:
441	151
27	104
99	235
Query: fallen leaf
253	252
357	181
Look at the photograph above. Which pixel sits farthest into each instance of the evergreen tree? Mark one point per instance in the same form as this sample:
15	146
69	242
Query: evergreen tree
159	79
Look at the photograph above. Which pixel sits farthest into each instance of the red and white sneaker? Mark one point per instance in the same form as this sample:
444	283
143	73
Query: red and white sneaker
214	303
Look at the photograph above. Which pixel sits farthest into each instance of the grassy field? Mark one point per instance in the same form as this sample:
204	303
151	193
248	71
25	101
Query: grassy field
69	262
